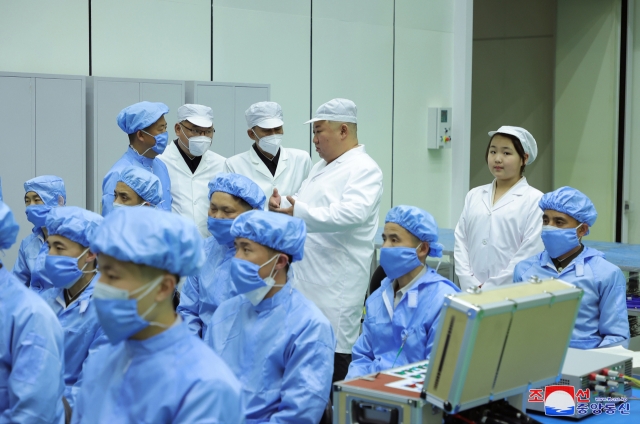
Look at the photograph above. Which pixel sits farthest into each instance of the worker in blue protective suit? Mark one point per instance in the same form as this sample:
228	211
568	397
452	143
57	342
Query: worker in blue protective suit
31	347
402	315
276	341
137	187
41	195
230	195
71	268
147	130
154	370
602	318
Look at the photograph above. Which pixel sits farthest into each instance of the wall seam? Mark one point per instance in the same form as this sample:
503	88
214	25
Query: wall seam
90	42
310	76
393	97
211	44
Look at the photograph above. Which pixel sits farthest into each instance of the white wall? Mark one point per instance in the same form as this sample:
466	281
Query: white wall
586	78
338	49
268	42
151	39
423	79
633	148
353	59
513	80
43	36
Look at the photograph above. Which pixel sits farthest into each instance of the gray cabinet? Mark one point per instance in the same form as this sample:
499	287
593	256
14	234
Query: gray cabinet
106	142
43	121
228	101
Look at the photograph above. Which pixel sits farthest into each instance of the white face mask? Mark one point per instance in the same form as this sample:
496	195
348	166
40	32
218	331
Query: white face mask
197	145
120	205
270	144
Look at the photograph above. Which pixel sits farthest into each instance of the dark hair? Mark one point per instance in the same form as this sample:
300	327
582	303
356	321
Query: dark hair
246	206
516	144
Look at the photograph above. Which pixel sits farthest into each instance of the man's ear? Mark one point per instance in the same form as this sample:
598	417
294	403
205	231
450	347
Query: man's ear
282	261
344	131
424	249
167	287
140	136
582	230
251	135
91	257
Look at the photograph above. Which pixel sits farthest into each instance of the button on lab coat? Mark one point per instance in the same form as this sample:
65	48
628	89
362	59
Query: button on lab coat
293	168
190	190
492	238
339	202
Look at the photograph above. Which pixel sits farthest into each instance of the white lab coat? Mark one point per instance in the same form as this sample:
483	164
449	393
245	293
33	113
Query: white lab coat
190	191
339	202
293	168
492	239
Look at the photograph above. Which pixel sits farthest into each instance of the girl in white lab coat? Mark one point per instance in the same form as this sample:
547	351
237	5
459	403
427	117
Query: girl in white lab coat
501	222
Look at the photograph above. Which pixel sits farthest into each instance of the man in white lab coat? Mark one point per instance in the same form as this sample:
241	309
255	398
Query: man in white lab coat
268	164
191	164
339	203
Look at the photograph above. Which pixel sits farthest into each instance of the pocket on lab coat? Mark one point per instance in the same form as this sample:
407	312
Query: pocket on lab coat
320	265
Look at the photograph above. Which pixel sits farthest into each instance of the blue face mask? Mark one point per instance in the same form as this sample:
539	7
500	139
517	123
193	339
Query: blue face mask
118	313
37	214
63	271
558	241
398	261
247	280
161	142
221	230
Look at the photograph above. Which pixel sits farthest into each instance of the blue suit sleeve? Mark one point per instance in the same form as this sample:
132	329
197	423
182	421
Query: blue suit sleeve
614	323
362	356
99	340
108	185
211	403
306	383
20	268
36	381
189	306
431	333
517	273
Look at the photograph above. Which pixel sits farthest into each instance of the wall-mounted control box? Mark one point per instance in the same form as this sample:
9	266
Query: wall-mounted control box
439	128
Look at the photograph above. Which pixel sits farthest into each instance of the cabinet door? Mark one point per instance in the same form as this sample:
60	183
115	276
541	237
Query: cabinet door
60	134
221	99
245	97
171	95
17	160
110	142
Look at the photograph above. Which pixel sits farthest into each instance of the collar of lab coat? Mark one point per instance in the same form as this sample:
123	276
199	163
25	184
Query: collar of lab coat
82	300
170	337
145	161
275	300
358	150
519	189
172	154
577	263
262	168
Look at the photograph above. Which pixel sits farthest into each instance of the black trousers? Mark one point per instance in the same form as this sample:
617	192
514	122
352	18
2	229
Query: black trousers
341	363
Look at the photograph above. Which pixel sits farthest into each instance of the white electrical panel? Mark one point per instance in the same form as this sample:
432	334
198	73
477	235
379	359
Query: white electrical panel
439	128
